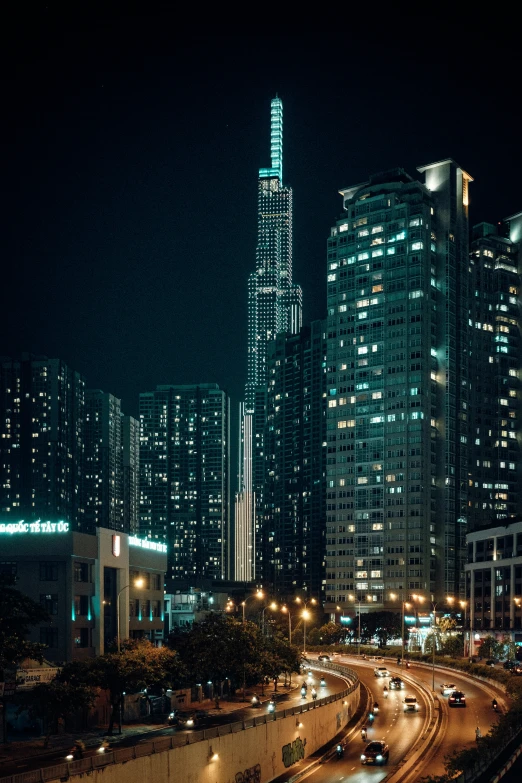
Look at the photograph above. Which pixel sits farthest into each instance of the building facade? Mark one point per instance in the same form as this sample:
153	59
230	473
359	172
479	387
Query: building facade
97	589
130	438
42	408
494	583
103	474
274	306
397	386
294	522
184	477
495	366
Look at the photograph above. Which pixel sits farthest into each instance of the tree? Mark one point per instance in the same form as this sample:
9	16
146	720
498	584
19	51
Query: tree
490	648
453	645
383	625
56	700
18	613
133	670
331	633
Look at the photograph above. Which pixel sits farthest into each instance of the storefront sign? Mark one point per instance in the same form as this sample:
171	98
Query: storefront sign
146	543
12	528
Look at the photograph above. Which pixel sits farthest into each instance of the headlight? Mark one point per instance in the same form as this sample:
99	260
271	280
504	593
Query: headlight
363	757
190	722
379	757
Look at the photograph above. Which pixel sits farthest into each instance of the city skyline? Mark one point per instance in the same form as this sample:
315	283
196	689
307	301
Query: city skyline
121	260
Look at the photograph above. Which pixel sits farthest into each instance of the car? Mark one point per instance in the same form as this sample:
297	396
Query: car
457	699
376	752
396	684
381	671
410	704
191	719
172	719
510	664
323	657
490	662
517	670
447	687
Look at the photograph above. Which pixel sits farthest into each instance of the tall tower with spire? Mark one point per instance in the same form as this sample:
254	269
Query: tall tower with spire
274	306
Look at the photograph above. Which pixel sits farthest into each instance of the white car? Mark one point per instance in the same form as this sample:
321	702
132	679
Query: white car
410	704
447	687
381	671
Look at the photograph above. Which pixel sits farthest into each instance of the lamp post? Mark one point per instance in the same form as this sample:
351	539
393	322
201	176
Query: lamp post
434	607
258	595
306	616
403	605
286	609
464	605
137	583
358	602
273	607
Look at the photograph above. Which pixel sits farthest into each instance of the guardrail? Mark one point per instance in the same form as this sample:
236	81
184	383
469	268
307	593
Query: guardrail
162	744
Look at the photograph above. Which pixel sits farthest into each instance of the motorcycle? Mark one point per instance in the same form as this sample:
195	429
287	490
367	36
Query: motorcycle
494	704
75	753
323	682
255	701
371	717
303	691
364	733
375	708
271	706
385	692
340	751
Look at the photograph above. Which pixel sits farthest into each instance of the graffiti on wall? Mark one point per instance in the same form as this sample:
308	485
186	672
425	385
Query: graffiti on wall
293	752
251	775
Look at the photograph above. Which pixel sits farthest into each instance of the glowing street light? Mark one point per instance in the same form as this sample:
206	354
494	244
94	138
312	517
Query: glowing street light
306	616
273	607
257	595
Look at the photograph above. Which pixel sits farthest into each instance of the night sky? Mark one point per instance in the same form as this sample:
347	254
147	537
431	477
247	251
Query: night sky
131	162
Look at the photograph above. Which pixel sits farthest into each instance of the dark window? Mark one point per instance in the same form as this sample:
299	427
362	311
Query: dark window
49	603
49	637
48	572
81	637
7	567
81	572
81	605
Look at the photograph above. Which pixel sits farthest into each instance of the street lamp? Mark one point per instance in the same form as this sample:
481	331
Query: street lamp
358	602
137	583
463	605
286	609
434	615
259	594
273	607
403	605
306	616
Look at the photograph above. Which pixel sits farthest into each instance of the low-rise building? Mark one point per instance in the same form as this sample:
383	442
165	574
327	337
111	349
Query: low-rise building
97	589
494	583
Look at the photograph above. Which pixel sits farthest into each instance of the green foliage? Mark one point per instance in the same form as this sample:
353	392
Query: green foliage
56	700
383	625
453	645
331	633
133	670
17	614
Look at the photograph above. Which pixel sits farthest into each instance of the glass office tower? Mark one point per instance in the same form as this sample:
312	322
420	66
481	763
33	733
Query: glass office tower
274	306
397	388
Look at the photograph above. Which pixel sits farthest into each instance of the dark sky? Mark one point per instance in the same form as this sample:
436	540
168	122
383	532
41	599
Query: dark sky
131	164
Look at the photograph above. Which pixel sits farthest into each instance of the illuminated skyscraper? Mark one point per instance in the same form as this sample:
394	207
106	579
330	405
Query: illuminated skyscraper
103	478
274	306
42	406
184	477
398	356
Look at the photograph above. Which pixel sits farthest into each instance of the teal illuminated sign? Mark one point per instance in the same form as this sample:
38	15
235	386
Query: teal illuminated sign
12	528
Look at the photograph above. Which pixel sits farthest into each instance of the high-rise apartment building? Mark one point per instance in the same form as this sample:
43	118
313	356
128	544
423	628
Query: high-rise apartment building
103	478
398	388
130	436
495	366
41	441
295	444
184	477
274	306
